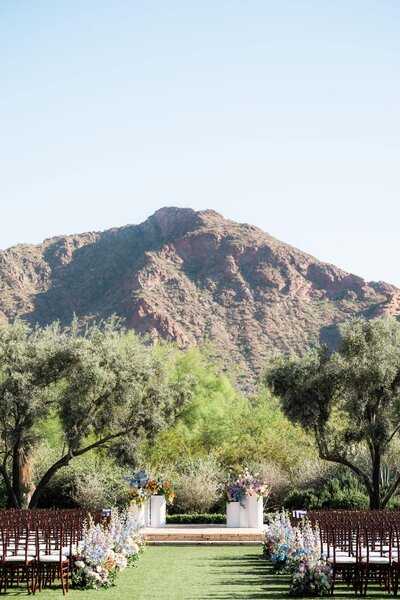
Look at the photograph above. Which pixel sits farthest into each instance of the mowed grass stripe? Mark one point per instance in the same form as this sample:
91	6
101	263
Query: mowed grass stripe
196	573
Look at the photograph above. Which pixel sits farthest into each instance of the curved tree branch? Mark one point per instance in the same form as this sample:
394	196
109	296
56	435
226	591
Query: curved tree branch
390	491
64	460
337	458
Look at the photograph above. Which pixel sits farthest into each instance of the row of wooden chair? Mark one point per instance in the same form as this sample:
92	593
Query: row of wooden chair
362	546
39	547
35	556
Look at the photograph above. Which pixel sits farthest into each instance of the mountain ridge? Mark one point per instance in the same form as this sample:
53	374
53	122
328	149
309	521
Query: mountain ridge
190	276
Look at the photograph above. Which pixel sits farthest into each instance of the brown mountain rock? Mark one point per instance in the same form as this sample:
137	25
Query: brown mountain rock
189	277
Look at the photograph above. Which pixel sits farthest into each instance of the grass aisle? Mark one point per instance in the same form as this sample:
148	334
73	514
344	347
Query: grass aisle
212	572
196	573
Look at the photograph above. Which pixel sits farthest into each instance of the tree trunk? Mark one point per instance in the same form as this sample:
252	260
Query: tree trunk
10	492
46	478
375	496
374	501
64	460
16	472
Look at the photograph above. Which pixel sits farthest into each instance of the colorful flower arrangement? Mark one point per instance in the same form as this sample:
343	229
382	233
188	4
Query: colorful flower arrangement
138	496
124	531
164	488
142	488
297	550
240	488
106	550
233	491
279	538
312	579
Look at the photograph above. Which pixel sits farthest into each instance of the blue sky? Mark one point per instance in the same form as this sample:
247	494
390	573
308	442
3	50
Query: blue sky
284	114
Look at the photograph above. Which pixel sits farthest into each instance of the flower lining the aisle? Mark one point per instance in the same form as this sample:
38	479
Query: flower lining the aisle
107	550
297	550
312	579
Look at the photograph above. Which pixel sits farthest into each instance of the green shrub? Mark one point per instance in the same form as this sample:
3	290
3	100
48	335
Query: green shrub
301	499
90	482
206	518
346	500
344	491
196	485
394	503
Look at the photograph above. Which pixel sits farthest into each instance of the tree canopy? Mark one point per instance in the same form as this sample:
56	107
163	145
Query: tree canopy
222	422
349	400
104	385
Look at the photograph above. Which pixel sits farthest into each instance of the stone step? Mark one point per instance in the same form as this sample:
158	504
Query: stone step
197	534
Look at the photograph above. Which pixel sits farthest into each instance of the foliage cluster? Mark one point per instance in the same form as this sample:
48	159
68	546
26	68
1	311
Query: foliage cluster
103	388
349	400
82	409
191	518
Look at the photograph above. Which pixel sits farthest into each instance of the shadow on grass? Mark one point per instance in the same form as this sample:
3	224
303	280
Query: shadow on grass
247	577
251	577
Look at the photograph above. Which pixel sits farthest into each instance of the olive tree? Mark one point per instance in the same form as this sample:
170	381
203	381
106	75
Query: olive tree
103	386
348	400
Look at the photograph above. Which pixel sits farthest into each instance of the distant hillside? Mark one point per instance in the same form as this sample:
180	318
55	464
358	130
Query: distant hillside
190	276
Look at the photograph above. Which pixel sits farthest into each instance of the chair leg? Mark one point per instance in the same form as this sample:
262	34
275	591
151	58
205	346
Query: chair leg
41	574
366	581
395	580
62	580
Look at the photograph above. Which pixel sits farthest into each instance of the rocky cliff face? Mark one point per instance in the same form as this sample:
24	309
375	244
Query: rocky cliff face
188	277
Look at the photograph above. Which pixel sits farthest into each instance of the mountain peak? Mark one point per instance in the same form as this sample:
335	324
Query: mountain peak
174	221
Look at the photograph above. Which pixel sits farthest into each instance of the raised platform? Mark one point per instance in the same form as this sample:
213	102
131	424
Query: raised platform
200	535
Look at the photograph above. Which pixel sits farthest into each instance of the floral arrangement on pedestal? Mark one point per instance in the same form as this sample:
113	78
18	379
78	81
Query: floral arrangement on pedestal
139	492
164	489
106	550
233	491
142	488
297	550
247	484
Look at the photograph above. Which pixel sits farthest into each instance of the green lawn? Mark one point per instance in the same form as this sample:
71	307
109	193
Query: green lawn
195	573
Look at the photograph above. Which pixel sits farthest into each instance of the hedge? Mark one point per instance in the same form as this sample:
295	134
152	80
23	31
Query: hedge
186	519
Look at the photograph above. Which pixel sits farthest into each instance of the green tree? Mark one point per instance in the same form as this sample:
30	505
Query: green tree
222	422
349	400
104	386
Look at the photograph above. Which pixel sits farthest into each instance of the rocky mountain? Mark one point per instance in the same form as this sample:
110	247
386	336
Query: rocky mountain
188	277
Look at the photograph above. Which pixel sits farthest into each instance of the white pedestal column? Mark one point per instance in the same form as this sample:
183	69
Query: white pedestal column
158	511
138	514
255	511
244	515
146	519
232	514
